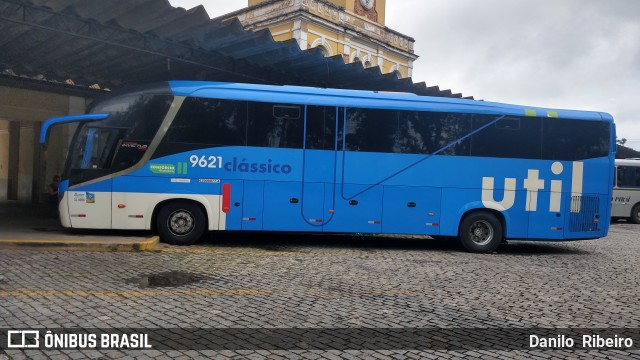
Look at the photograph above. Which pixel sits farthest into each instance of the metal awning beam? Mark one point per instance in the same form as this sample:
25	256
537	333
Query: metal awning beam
32	16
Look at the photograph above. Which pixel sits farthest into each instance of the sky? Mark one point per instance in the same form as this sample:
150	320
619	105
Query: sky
561	54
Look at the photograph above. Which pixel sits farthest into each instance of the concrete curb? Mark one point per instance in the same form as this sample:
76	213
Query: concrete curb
82	245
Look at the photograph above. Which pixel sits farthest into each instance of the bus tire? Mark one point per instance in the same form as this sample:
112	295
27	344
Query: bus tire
635	214
181	223
481	232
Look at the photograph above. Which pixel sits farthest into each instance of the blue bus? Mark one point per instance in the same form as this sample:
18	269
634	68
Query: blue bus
184	157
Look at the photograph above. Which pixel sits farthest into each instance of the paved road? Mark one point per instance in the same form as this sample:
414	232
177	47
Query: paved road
253	281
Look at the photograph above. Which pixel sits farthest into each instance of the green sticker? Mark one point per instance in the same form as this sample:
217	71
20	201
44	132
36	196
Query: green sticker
552	114
182	168
529	112
162	168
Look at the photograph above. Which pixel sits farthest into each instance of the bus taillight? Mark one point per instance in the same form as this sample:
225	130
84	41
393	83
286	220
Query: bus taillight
226	198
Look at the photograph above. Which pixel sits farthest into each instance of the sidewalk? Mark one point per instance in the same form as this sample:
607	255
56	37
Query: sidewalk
30	226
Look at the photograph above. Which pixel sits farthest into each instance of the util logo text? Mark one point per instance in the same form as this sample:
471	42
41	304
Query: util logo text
533	184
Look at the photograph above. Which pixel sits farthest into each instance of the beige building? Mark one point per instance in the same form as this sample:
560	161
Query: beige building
354	29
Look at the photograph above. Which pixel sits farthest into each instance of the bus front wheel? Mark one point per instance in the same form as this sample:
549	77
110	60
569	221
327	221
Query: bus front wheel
181	223
481	232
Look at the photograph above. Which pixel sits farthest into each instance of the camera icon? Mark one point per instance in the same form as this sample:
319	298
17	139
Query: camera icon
23	339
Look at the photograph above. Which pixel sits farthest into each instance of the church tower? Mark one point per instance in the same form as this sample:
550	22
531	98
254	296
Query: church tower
354	29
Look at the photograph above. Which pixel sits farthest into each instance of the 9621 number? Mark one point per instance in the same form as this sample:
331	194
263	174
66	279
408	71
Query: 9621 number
212	162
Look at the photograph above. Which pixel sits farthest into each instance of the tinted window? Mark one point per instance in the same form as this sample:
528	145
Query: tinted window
274	125
412	132
371	130
628	176
118	142
411	135
210	122
442	131
321	127
421	132
574	140
510	137
140	113
128	153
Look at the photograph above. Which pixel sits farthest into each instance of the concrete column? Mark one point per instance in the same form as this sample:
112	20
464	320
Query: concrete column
4	158
300	34
37	187
14	160
25	163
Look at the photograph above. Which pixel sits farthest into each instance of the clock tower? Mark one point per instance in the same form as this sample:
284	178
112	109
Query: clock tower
353	29
366	8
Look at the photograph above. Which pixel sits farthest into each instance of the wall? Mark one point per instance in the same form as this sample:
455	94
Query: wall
25	167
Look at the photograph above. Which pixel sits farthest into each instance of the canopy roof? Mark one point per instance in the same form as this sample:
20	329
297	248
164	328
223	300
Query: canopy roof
113	43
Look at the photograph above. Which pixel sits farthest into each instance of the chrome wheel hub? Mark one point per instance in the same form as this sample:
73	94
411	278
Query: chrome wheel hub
181	222
481	232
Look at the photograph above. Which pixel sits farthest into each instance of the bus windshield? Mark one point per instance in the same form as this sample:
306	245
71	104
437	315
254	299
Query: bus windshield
118	142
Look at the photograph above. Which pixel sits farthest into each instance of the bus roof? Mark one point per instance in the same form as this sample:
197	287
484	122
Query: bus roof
366	99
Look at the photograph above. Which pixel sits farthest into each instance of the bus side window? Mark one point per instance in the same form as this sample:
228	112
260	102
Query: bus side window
275	125
568	139
209	122
371	130
321	127
412	133
443	131
510	137
628	176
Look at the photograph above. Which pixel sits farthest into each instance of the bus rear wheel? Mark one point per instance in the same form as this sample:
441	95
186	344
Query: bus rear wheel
635	214
481	232
181	223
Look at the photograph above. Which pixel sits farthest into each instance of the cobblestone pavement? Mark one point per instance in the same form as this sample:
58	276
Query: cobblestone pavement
302	281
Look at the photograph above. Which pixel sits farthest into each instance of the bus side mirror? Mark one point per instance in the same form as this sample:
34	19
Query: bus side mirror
46	126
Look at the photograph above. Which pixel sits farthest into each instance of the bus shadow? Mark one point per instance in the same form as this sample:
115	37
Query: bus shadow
624	223
540	248
305	243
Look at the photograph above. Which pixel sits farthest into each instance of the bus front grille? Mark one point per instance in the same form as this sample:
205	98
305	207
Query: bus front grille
584	212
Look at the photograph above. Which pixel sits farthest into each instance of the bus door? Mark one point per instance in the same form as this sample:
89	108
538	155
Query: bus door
90	208
90	203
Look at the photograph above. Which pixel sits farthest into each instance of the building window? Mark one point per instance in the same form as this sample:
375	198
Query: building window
324	51
323	46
